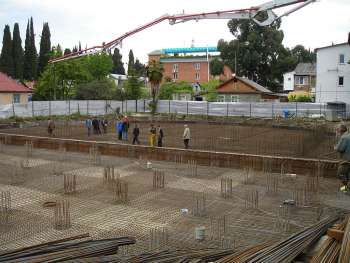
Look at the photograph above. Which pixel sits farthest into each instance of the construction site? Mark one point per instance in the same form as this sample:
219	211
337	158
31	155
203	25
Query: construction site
239	187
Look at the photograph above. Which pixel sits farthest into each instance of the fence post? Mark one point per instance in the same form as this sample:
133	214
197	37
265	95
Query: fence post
207	109
272	110
106	107
320	110
50	108
32	108
126	106
169	106
296	109
122	106
87	107
144	105
226	109
13	109
187	108
136	105
250	110
68	107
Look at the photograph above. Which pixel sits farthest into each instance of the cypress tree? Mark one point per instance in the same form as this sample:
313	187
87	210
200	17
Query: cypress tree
45	47
34	57
6	59
30	54
67	51
131	65
26	63
17	53
118	67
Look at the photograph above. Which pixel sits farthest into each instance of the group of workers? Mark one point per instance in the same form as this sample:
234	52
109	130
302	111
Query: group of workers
96	126
156	136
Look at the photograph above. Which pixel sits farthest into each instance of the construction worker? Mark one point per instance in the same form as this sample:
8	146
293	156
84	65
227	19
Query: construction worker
88	124
343	147
50	127
152	135
160	136
136	133
186	136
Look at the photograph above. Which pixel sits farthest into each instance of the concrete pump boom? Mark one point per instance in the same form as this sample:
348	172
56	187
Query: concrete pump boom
247	13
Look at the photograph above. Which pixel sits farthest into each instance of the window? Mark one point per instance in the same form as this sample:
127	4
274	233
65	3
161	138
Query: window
16	98
175	76
197	76
341	81
300	80
234	98
289	79
221	98
175	68
197	66
341	59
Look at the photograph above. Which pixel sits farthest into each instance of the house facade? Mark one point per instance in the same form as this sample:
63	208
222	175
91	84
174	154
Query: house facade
239	89
11	91
333	73
302	78
188	64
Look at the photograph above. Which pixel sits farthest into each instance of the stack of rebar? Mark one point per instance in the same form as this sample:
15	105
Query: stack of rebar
344	255
286	250
181	256
68	250
329	251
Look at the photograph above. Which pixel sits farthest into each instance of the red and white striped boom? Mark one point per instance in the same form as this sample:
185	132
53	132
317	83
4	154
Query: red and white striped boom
247	13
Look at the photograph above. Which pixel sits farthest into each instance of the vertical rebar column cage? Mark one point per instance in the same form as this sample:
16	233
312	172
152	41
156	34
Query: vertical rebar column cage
5	207
62	215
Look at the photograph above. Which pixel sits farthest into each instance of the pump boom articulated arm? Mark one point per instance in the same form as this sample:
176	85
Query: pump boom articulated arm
238	14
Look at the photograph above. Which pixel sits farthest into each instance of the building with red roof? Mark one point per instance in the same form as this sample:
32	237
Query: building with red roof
12	91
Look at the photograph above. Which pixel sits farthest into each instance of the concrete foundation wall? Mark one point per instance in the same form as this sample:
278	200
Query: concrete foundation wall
206	158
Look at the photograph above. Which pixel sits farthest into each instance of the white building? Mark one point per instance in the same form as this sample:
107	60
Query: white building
333	73
301	79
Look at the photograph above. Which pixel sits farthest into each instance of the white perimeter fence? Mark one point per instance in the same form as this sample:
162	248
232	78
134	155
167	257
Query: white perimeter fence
101	107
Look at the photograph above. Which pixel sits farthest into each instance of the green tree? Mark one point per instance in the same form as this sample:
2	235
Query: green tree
17	53
6	58
132	88
216	67
30	54
140	69
209	90
118	65
99	65
254	50
60	80
154	73
96	90
131	63
67	51
167	89
302	55
45	48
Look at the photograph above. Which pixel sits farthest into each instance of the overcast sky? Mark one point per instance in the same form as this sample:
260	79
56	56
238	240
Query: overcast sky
93	22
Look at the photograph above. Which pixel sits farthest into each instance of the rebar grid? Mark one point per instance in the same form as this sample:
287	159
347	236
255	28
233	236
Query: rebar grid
147	208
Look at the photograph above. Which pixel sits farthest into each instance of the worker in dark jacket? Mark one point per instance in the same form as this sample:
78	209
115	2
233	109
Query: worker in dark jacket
343	147
160	134
136	133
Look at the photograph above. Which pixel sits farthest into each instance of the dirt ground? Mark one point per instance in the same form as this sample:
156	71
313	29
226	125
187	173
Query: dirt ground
35	176
222	137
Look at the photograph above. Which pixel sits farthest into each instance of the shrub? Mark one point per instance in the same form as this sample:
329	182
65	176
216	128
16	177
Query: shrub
299	96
